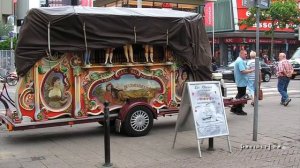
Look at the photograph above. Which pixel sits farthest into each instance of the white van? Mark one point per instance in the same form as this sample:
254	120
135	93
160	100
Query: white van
295	61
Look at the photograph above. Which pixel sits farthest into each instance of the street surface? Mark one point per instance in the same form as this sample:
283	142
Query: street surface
269	88
83	145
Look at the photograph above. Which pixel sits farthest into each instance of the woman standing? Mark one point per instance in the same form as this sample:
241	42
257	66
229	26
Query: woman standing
251	76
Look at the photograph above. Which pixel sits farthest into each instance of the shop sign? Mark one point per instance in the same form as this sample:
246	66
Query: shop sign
234	40
264	41
216	41
261	41
166	5
293	42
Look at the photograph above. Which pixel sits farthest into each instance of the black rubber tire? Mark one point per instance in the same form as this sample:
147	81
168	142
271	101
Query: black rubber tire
12	81
138	122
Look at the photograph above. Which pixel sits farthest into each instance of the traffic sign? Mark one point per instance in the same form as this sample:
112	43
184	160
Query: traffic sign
11	34
263	4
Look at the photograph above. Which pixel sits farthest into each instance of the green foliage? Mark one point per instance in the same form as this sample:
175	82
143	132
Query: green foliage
5	45
5	29
285	12
280	13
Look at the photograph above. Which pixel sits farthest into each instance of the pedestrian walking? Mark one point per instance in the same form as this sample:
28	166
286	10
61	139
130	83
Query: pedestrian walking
284	72
251	76
266	59
241	80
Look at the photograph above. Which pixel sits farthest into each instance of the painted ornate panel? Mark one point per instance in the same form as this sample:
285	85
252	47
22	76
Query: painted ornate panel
46	91
117	84
59	87
25	97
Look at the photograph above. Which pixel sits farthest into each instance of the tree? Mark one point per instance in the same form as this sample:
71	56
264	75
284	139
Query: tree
5	45
282	14
5	29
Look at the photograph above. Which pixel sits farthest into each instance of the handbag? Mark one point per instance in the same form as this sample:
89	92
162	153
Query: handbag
260	95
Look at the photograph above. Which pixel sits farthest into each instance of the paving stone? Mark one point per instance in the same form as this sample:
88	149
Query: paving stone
33	164
10	164
82	146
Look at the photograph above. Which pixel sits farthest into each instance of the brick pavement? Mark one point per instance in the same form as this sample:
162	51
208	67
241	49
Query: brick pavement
81	146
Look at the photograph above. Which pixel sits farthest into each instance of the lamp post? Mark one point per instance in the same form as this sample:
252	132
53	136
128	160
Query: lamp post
297	32
139	3
201	10
255	120
74	2
213	28
11	61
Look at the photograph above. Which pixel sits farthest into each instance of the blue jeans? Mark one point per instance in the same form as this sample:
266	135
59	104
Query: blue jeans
282	85
251	87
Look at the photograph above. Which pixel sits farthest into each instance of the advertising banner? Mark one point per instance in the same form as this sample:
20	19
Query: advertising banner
87	3
209	15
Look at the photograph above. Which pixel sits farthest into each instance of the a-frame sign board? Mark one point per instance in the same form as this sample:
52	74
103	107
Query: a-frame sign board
202	109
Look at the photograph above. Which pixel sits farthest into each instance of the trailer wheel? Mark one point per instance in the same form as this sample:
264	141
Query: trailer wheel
266	77
138	122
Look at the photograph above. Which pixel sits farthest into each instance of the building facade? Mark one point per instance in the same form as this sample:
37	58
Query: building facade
52	3
6	10
227	43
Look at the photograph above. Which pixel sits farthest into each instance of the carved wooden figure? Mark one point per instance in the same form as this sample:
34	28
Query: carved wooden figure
128	51
109	54
169	55
87	55
148	52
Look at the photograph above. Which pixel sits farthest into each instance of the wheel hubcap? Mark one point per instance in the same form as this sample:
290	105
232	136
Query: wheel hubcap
267	78
139	121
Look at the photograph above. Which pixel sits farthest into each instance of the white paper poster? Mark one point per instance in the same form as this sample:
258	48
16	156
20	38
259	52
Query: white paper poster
202	109
208	109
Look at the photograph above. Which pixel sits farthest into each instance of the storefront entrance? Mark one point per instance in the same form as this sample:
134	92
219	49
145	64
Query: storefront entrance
229	48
